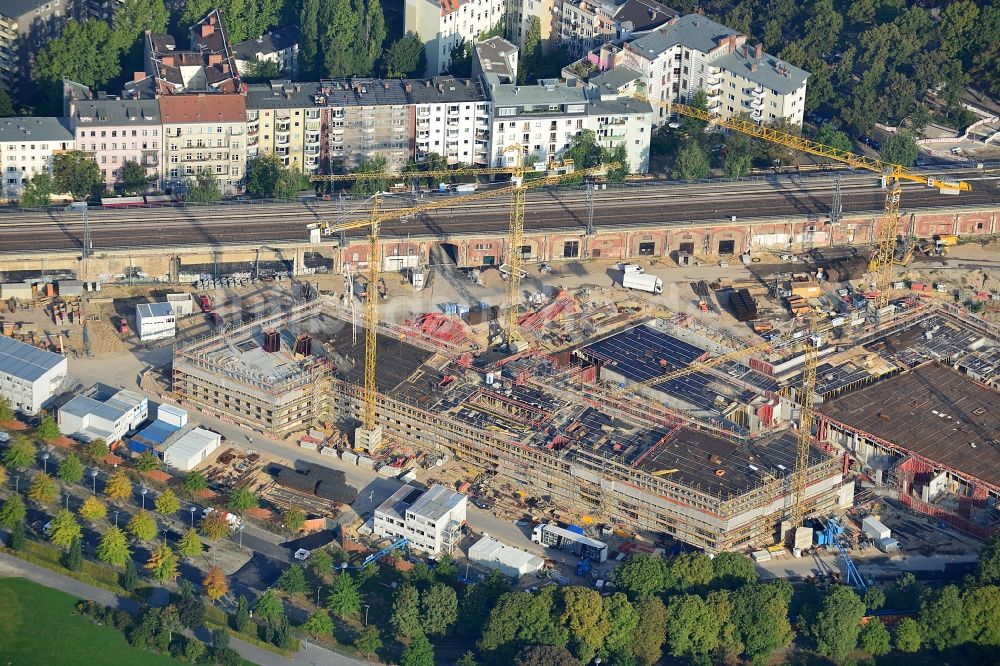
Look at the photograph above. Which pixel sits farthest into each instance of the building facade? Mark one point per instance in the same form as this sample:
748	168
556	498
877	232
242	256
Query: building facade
29	376
204	133
27	147
444	25
452	119
89	417
583	25
115	131
431	521
367	118
278	46
693	53
25	26
284	119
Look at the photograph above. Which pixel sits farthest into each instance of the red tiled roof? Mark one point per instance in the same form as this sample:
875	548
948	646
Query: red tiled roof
203	108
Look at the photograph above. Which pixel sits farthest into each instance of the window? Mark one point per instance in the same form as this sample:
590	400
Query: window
571	249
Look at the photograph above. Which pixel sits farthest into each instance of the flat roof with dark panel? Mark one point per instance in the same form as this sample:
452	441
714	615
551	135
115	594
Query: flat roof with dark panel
694	458
933	411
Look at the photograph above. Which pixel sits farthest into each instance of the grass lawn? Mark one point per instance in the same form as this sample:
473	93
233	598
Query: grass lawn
40	626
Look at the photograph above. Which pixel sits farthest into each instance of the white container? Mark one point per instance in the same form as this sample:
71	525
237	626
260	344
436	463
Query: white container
875	529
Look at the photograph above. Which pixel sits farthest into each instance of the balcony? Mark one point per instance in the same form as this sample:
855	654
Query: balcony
713	93
757	114
312	124
423	113
758	92
312	139
757	104
715	106
312	150
453	113
253	131
282	127
423	135
281	141
452	134
423	122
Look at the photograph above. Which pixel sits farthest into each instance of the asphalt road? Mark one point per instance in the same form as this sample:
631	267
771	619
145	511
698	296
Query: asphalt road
648	204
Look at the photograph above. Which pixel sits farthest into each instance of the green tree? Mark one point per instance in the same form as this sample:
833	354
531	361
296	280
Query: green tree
905	593
874	598
83	52
731	570
17	541
214	526
760	612
20	453
242	499
244	18
647	646
691	163
269	177
371	35
405	618
95	449
957	26
309	44
366	186
162	564
531	51
260	70
524	618
142	526
133	178
617	155
193	650
13	511
269	608
838	623
293	580
6	104
48	429
692	570
194	482
584	617
368	641
319	624
147	461
65	529
875	639
37	194
692	628
130	577
190	544
942	618
167	503
623	619
74	556
43	488
439	609
445	570
476	603
419	652
830	136
118	486
405	57
340	41
203	188
468	659
133	18
70	469
77	174
113	548
900	148
736	165
908	635
641	576
241	621
982	610
6	411
721	604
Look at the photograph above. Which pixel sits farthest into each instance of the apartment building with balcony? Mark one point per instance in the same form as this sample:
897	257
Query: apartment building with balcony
583	25
27	147
452	117
445	24
693	53
367	118
286	119
114	131
25	26
544	119
206	132
279	46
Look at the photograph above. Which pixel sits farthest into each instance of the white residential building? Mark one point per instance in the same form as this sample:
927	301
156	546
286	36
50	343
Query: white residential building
27	146
279	46
691	53
431	520
155	321
87	418
544	119
444	24
452	120
29	376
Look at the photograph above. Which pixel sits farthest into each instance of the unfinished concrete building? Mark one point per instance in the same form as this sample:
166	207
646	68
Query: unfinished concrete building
529	420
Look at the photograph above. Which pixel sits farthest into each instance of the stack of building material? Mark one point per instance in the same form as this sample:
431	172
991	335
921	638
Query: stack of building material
321	481
439	327
563	303
744	305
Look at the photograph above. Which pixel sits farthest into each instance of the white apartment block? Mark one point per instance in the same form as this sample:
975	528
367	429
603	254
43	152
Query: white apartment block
544	119
29	376
692	53
431	520
444	24
204	132
452	119
27	146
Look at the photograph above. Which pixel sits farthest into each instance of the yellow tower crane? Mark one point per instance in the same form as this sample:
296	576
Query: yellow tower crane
368	437
894	174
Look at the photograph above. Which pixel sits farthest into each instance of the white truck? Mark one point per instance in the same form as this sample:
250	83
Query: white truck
636	279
